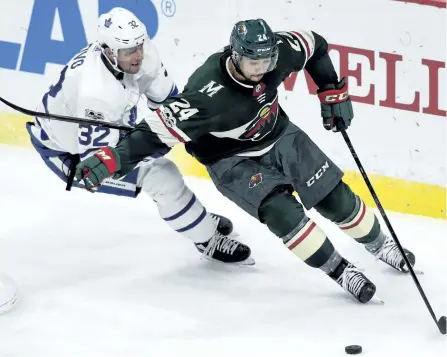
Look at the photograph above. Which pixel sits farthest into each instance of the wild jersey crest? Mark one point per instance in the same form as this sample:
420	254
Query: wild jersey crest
263	123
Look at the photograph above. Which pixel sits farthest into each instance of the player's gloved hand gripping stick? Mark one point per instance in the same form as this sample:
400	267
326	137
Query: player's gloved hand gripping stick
336	104
95	169
69	120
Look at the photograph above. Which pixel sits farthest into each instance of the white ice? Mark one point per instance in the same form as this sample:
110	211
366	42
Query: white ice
104	276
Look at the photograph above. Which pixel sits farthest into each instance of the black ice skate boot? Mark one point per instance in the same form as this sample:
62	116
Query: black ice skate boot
224	225
225	250
389	253
350	278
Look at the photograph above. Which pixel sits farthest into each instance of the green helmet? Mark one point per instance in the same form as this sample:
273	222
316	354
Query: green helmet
254	39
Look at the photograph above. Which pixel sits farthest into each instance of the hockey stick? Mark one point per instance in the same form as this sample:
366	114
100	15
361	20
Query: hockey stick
441	323
69	120
65	118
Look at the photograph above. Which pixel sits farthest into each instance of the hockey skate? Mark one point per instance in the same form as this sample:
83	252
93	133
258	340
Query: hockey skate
225	250
224	225
351	279
390	254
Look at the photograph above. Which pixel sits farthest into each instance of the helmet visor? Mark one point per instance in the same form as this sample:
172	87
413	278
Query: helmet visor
128	52
258	65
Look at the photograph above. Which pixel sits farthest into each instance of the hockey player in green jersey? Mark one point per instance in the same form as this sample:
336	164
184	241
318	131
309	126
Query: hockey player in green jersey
230	120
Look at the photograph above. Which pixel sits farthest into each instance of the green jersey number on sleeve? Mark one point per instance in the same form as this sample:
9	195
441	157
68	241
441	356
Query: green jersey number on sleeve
180	109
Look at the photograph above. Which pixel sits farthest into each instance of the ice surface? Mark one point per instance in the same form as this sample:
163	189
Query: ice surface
104	276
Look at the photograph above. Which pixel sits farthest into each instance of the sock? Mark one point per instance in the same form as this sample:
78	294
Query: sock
363	225
308	242
187	216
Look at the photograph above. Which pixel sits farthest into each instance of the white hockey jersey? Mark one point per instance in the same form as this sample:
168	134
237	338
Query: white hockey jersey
87	89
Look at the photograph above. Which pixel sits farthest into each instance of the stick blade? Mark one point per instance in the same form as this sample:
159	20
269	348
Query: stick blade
442	325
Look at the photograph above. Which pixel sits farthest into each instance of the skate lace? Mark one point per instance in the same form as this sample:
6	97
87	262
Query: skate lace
220	243
390	253
351	279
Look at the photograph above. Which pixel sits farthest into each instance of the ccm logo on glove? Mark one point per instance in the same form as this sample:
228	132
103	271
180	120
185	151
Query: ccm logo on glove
334	98
336	107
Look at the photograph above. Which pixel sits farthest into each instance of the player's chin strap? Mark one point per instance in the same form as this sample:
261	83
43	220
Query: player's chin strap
237	68
239	71
117	72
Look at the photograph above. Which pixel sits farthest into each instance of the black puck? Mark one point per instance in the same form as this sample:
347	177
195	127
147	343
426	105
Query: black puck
353	349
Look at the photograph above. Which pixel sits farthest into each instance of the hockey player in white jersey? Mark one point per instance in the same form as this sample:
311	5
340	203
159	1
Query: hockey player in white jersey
120	78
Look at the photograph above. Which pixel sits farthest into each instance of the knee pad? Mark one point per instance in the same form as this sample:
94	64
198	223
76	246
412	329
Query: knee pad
280	211
339	204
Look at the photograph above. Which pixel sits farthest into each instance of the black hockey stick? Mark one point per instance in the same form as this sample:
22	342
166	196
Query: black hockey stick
441	323
65	118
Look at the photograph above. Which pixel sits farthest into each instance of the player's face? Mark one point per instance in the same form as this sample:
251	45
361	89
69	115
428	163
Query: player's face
254	70
130	59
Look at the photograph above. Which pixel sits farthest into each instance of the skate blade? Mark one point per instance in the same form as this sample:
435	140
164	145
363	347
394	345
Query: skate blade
247	262
416	271
376	300
406	271
9	305
234	234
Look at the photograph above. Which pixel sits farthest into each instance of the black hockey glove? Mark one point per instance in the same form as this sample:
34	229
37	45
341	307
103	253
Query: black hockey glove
336	107
95	169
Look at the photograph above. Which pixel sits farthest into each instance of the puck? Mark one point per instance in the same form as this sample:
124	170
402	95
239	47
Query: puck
353	349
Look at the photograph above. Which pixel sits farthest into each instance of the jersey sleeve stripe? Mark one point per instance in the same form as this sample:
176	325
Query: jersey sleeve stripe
307	40
173	130
304	43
